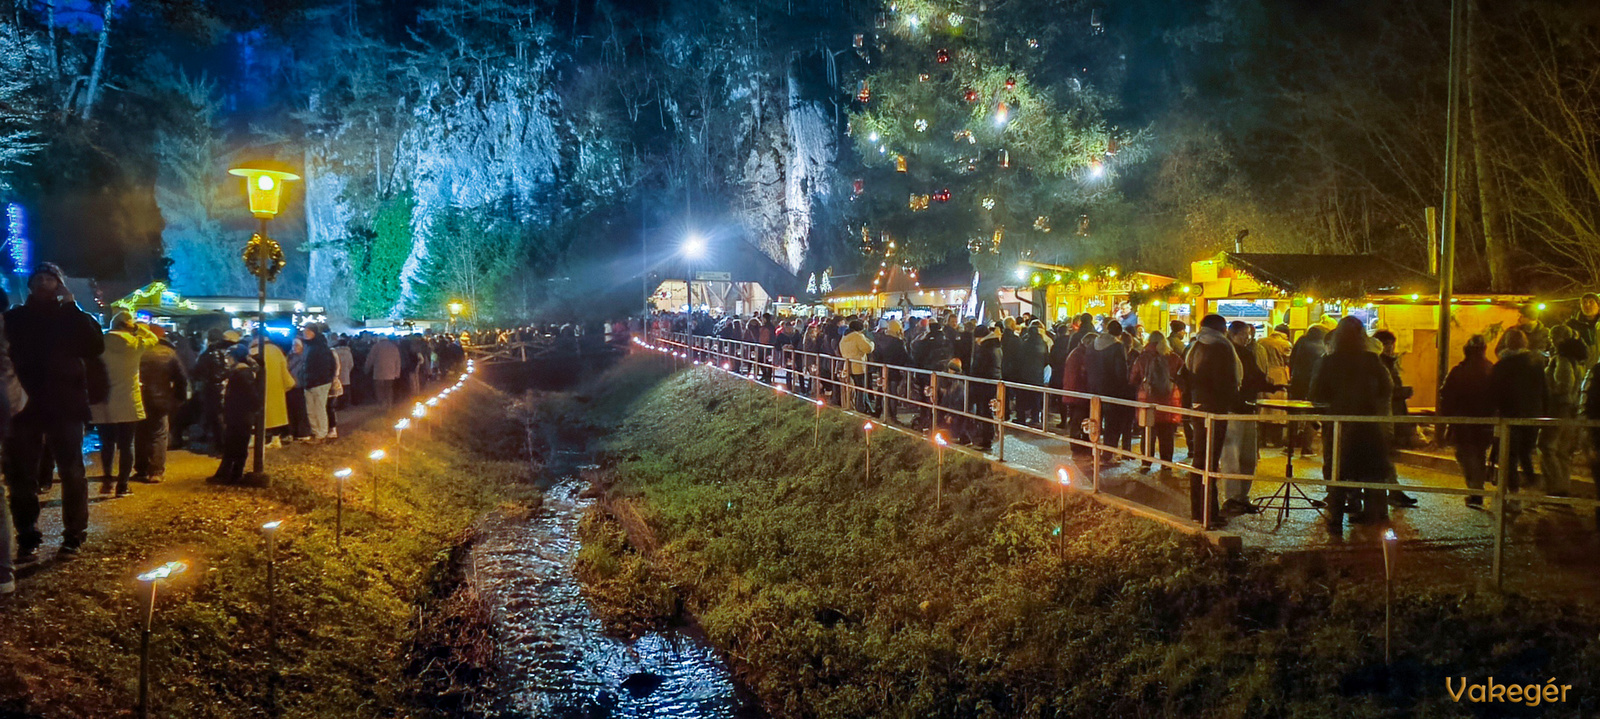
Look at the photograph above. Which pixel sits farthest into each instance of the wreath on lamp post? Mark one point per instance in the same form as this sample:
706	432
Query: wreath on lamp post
264	257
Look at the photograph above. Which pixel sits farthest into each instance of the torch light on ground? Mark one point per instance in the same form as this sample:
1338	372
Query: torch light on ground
866	435
339	476
418	412
376	456
816	426
1391	552
1064	479
270	532
399	430
151	580
938	482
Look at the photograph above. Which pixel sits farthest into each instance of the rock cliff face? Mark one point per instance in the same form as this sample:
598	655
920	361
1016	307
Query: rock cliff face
788	175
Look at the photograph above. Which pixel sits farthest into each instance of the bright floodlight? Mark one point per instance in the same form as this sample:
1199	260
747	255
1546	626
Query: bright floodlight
694	247
377	454
342	473
1097	169
164	571
1022	273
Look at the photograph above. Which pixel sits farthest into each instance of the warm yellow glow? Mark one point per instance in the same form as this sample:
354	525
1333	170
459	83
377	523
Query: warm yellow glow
164	571
343	473
377	454
264	185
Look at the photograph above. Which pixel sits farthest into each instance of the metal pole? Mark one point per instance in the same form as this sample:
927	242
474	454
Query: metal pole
868	440
1207	480
1447	244
338	519
1063	532
938	486
144	652
259	465
1095	408
1388	598
1504	471
1000	420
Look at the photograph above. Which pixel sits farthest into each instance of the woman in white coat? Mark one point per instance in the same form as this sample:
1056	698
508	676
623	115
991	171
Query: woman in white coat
124	408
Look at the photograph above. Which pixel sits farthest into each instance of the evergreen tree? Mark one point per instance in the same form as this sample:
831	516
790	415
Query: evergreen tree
971	141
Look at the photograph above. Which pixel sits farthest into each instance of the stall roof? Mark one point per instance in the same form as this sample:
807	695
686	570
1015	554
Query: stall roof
942	277
1330	275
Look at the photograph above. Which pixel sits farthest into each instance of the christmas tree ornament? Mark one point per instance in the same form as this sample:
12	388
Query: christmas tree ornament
923	77
1033	42
859	185
1042	223
882	21
865	93
1011	83
942	195
1111	146
918	202
974	245
994	244
942	55
922	125
860	40
970	95
1005	158
1083	225
988	203
899	163
955	19
1001	114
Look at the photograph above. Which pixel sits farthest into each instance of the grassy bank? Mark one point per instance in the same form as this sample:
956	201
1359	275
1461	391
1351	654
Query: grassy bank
843	597
371	631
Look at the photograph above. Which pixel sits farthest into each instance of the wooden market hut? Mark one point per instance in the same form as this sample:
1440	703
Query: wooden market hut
1300	290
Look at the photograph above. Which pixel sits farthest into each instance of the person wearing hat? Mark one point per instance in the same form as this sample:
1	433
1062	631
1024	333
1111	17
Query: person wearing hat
210	376
241	405
123	408
164	387
52	344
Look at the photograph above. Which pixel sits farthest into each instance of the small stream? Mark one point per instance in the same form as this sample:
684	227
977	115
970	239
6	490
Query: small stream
558	660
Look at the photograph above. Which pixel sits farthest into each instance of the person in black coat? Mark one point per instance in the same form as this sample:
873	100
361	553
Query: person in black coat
986	361
1033	356
889	347
931	351
1519	391
163	387
1303	359
1211	377
241	410
1352	380
1466	393
1109	376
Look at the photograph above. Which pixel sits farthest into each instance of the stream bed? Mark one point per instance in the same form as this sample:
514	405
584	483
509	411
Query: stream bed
558	662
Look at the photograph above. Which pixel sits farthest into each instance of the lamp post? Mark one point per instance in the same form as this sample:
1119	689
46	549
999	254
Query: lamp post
693	248
418	412
375	456
866	430
455	314
270	532
263	182
151	579
938	486
1391	552
816	427
339	477
399	431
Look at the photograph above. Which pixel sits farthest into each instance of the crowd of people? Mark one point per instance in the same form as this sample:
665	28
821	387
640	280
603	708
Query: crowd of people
1221	368
141	389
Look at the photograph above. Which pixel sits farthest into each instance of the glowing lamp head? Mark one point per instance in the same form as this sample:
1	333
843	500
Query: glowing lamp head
343	474
694	247
419	411
939	440
432	402
402	425
164	571
1083	277
1389	535
272	526
1541	306
819	403
1187	289
1097	169
1415	297
377	454
1022	273
263	184
1063	477
867	427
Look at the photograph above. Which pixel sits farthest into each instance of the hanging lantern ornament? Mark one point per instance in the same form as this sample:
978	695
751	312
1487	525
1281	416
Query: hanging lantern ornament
1111	146
943	56
988	203
899	163
1001	114
1033	42
1083	225
1005	158
970	95
1011	83
999	235
1042	223
865	93
923	77
918	202
955	19
974	245
859	185
942	195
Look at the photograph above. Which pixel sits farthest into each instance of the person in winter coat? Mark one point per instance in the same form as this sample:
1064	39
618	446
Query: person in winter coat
1034	348
1584	325
1520	391
210	376
854	348
279	381
932	351
1107	368
347	365
1466	393
986	362
1075	378
164	386
295	399
317	375
383	364
12	399
241	411
1533	331
117	416
1154	380
961	340
1351	380
1212	374
1564	380
1591	411
889	347
1240	450
1082	328
1308	351
1273	353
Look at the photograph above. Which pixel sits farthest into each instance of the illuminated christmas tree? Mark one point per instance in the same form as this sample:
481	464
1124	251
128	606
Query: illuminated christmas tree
974	139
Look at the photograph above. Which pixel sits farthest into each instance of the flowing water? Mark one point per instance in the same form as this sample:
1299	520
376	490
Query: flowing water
559	662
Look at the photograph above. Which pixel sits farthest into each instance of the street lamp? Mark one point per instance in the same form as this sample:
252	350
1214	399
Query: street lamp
938	487
816	427
419	412
693	248
270	531
339	476
263	184
455	313
399	430
866	430
1065	480
1390	554
151	578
